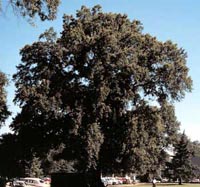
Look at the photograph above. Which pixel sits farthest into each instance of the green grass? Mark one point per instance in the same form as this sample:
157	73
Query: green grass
157	185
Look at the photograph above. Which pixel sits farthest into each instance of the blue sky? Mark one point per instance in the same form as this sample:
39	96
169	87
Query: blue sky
176	20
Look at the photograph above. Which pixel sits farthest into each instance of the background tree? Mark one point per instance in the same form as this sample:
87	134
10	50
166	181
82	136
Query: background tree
181	165
196	147
196	158
92	91
4	113
34	168
11	156
45	9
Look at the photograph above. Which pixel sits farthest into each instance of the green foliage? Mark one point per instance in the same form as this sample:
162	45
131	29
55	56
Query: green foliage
103	90
181	165
34	168
196	148
11	156
44	9
55	164
4	113
49	35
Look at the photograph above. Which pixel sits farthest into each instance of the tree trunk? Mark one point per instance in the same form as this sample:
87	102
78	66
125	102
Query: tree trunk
76	180
180	181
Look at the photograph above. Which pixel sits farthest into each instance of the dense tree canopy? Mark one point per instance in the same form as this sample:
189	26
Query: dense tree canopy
4	113
11	156
103	90
45	9
181	164
196	147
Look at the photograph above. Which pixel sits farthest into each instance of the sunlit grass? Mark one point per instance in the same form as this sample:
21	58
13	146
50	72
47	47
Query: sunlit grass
157	185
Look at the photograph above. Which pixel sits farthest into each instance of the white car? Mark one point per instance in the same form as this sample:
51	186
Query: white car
35	182
109	181
104	181
18	183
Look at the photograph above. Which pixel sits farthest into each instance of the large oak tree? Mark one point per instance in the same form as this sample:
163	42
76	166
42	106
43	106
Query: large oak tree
104	90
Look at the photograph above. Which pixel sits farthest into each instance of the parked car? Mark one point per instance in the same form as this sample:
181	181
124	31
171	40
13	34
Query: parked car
125	180
18	183
114	181
104	180
122	180
35	182
110	181
9	184
119	180
47	180
195	180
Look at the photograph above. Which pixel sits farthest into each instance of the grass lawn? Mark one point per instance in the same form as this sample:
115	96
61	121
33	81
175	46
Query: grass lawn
157	185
